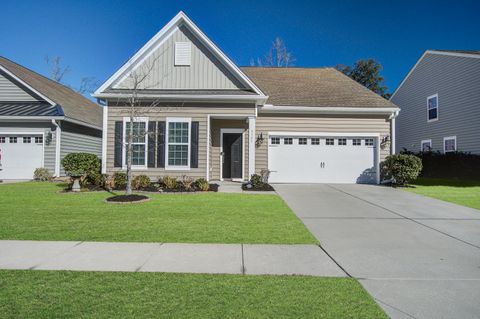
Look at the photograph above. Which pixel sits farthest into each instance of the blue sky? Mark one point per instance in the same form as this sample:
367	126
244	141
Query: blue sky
96	37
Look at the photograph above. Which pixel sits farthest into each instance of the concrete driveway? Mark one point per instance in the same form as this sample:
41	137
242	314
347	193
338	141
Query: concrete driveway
418	257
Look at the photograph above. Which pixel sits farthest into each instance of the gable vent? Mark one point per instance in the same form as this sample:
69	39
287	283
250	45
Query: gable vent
183	53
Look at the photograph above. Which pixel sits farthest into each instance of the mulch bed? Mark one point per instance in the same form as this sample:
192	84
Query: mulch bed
264	188
127	199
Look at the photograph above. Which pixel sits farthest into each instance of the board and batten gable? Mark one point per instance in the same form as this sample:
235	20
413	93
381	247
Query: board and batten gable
456	80
204	72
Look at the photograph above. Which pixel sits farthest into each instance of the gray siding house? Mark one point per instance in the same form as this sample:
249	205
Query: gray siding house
41	121
440	103
202	116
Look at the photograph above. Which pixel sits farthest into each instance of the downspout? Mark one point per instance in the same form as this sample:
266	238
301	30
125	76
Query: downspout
392	119
104	138
58	137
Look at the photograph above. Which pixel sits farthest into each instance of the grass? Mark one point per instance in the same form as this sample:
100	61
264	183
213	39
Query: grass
465	193
36	211
60	294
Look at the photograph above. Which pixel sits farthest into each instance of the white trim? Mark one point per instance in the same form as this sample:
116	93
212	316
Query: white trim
188	97
147	50
393	143
232	130
182	120
208	148
251	145
124	142
268	108
33	132
324	134
58	138
39	118
449	138
104	139
429	141
438	108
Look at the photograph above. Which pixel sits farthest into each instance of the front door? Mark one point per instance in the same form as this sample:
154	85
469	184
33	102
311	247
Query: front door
232	155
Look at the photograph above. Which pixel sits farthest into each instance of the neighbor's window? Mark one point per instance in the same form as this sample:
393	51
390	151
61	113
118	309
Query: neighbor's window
302	141
27	139
426	146
275	140
432	107
288	141
315	141
139	141
369	142
12	139
357	142
178	142
329	141
2	139
450	144
342	141
39	139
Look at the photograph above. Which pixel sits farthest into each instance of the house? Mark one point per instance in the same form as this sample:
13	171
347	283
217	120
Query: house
41	121
440	102
214	120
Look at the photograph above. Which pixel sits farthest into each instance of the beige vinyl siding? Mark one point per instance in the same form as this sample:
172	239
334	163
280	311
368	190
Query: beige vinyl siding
204	72
321	124
197	112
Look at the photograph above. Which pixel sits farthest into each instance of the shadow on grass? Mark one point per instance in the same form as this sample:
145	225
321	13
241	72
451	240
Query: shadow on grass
423	181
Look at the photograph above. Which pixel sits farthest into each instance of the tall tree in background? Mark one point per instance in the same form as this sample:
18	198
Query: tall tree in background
277	56
367	73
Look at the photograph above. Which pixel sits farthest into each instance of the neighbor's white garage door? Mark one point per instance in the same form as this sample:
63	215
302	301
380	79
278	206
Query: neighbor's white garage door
20	155
322	159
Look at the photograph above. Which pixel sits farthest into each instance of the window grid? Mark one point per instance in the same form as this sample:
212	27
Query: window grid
369	142
178	143
432	105
275	140
449	145
342	141
315	141
27	140
2	139
139	141
12	139
287	141
329	141
302	141
357	142
39	139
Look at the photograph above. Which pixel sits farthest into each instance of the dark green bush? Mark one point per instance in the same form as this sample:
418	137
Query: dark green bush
120	180
256	181
87	163
42	174
140	181
402	168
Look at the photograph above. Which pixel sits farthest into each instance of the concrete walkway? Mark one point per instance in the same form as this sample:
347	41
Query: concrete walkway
155	257
417	256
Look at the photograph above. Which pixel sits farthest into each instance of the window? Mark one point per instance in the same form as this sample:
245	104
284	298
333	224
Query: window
27	140
315	141
39	139
183	53
139	141
432	108
12	139
357	142
342	141
369	142
275	140
2	139
302	141
178	139
450	144
288	141
330	141
426	145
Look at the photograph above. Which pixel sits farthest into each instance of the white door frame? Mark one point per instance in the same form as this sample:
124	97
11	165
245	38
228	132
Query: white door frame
232	130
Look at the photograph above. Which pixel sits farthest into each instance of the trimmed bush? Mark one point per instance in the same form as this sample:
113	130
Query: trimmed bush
169	182
42	174
140	182
202	185
256	181
402	168
87	163
187	182
120	180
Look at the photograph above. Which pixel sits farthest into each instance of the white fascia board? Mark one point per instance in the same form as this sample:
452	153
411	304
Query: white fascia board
182	97
27	85
327	110
32	118
165	32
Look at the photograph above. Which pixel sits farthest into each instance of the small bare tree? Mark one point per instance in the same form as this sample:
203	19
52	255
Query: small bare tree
277	56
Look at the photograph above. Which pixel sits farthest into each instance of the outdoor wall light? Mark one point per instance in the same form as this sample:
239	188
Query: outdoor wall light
48	138
260	140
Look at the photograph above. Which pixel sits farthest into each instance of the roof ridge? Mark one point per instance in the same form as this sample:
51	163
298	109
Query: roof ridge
289	67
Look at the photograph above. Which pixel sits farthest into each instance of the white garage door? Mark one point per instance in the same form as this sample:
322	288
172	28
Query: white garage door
322	159
20	155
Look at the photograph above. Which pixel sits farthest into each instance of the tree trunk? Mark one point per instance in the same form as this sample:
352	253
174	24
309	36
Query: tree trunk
129	157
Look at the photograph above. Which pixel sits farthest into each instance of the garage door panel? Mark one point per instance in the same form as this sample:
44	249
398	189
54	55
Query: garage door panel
20	155
321	163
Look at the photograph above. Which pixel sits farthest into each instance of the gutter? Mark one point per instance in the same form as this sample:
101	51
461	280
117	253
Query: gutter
181	97
58	137
269	109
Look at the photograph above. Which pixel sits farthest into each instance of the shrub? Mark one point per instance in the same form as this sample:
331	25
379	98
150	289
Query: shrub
120	180
140	182
169	182
83	162
202	184
42	174
187	182
402	168
256	181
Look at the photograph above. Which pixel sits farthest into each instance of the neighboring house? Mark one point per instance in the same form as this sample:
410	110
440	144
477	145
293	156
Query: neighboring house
217	121
440	103
41	121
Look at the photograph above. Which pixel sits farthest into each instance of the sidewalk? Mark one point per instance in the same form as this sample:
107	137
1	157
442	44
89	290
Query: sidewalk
157	257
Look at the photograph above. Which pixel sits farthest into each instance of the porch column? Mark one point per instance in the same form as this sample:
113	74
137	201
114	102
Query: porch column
251	146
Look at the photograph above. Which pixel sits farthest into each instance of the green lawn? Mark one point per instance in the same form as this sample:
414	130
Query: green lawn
466	193
60	294
36	211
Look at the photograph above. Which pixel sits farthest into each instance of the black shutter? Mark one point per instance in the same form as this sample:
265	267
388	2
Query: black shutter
118	144
152	132
194	146
161	145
